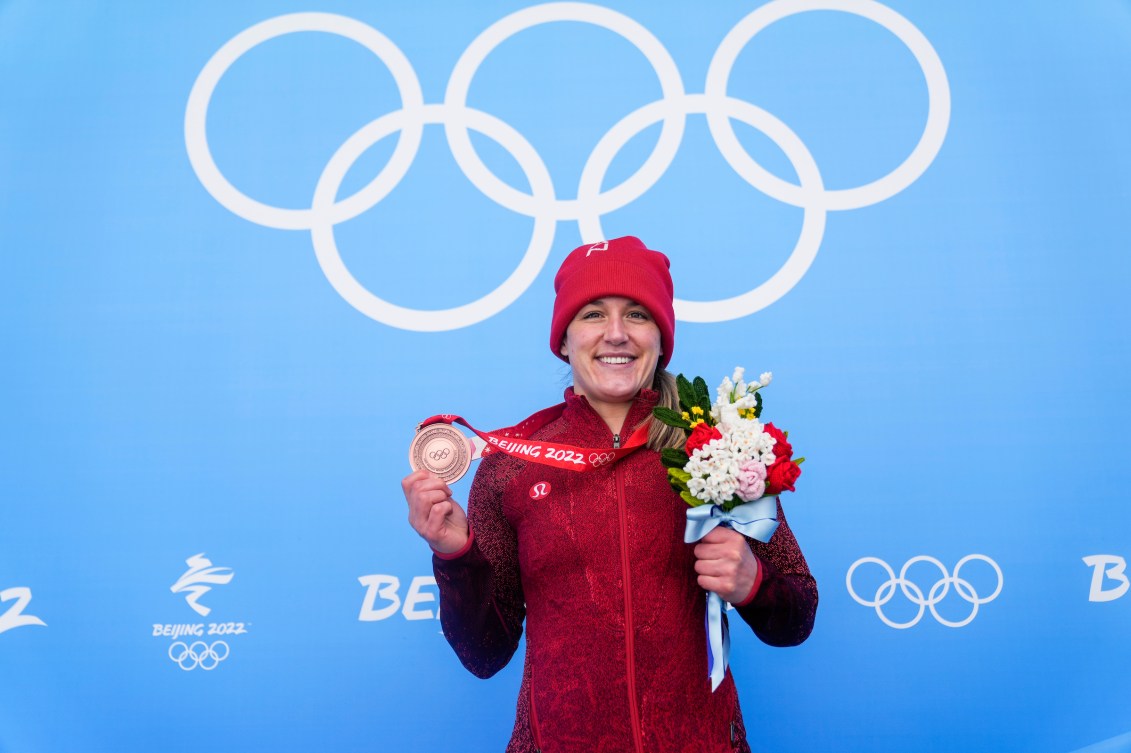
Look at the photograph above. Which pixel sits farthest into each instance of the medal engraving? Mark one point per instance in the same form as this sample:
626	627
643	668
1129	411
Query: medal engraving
442	450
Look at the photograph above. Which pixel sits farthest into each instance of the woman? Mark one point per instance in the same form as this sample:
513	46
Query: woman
595	562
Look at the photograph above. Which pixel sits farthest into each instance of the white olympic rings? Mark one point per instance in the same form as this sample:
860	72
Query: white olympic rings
914	594
198	654
597	459
541	204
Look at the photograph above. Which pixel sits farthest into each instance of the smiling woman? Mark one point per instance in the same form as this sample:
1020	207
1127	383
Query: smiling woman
594	562
612	347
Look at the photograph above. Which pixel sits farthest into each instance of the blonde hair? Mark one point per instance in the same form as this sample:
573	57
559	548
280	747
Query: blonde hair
660	435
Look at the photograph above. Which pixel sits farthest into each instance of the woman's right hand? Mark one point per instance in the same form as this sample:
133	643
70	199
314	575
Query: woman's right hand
433	513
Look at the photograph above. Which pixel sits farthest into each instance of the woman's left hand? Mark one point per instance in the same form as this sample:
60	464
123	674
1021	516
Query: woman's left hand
725	564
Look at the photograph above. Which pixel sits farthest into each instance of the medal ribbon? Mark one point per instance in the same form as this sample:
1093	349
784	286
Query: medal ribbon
513	441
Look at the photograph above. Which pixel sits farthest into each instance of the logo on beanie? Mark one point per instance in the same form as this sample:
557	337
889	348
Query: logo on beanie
602	246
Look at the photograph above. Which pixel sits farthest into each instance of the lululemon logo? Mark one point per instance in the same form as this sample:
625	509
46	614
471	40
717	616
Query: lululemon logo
541	490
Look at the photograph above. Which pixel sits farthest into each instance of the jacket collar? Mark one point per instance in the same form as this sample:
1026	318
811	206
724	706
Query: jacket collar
580	413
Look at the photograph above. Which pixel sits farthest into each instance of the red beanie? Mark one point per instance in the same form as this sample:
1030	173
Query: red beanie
624	267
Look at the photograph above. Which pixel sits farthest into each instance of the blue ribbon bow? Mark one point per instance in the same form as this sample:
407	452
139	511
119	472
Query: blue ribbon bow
757	520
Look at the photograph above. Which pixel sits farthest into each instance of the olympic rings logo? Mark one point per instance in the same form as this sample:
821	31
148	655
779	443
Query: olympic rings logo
598	459
914	594
198	654
541	203
440	454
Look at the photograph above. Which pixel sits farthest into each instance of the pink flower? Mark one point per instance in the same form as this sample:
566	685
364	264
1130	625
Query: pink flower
751	480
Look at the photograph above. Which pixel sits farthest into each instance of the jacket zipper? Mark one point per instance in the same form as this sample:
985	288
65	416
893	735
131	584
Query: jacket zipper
630	651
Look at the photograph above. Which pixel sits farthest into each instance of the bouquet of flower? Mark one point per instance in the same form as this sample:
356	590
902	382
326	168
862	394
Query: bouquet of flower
730	457
730	471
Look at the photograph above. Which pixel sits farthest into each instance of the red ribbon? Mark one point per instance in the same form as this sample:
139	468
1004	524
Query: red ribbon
515	442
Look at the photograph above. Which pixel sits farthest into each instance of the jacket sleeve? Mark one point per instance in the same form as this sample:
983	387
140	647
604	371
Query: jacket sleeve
481	601
785	605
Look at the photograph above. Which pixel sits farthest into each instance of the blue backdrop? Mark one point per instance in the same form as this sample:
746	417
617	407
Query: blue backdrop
247	247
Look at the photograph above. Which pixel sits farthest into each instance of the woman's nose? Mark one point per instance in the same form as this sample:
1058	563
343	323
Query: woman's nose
614	330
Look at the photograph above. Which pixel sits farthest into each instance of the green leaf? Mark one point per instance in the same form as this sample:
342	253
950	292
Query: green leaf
686	393
673	457
680	475
678	483
799	461
686	497
670	417
702	395
757	405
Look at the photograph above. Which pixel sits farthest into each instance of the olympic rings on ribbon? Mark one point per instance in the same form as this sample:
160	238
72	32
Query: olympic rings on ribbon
914	594
597	459
541	203
199	654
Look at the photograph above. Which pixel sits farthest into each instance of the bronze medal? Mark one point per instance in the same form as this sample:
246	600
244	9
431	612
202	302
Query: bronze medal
441	449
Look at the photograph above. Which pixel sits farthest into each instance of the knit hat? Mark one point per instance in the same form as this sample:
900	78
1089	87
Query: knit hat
624	267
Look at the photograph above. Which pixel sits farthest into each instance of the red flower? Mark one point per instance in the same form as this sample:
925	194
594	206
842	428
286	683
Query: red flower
701	435
781	475
782	448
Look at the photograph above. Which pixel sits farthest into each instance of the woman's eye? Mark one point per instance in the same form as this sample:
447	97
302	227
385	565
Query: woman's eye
638	315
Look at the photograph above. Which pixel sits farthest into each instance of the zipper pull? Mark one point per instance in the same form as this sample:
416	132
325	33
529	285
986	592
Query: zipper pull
616	441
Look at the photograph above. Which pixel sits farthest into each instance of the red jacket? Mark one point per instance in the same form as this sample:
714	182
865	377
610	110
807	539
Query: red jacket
616	656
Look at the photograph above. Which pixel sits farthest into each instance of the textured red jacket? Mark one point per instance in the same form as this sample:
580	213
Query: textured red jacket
616	655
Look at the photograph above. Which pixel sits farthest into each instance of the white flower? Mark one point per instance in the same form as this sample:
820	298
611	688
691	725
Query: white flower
739	383
746	401
724	390
747	440
714	470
